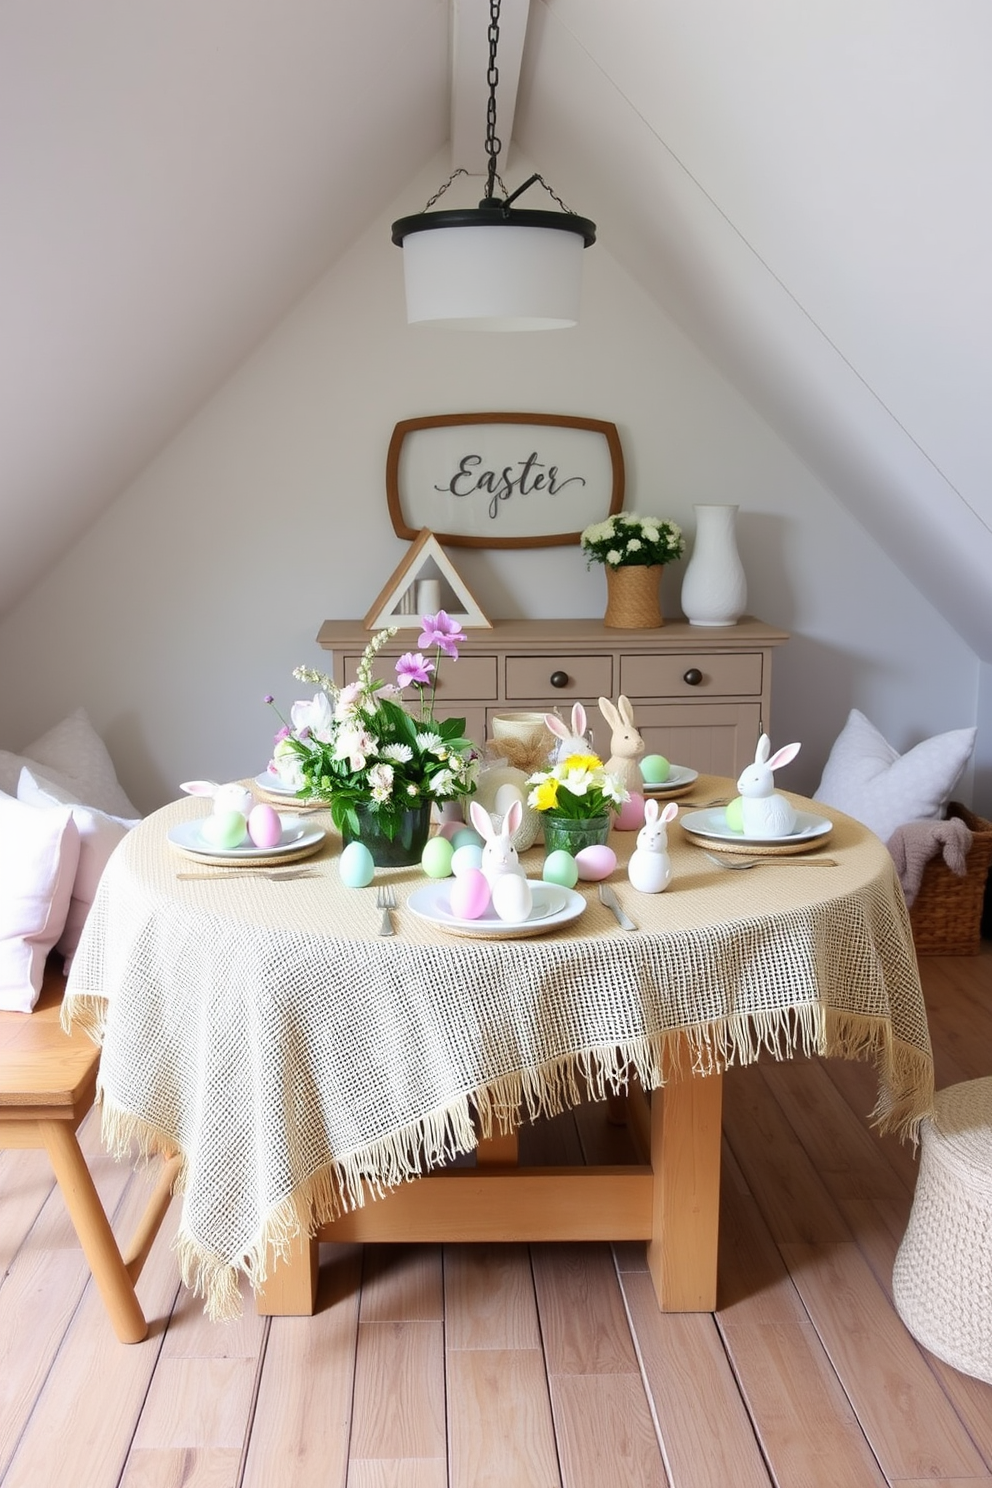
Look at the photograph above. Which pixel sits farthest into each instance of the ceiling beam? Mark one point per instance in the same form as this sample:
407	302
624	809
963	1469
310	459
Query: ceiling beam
469	74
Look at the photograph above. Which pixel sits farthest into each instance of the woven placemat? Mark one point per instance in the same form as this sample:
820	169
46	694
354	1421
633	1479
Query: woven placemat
270	860
757	849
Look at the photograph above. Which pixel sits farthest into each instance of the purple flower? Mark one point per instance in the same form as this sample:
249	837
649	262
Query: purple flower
441	631
282	734
268	698
413	668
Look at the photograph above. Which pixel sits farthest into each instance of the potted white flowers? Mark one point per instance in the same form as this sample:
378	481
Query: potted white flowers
633	550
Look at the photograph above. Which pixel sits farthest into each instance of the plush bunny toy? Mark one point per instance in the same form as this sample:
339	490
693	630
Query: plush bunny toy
508	886
650	867
572	740
230	797
626	745
764	812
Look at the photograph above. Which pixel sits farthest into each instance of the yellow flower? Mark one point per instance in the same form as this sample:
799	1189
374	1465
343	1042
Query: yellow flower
583	762
545	795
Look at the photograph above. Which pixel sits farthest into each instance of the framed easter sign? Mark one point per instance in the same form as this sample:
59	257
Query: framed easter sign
503	480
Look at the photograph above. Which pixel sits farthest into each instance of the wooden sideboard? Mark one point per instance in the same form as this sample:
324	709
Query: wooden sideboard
700	696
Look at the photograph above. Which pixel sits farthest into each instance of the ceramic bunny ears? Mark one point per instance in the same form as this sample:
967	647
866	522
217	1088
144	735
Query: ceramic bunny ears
230	797
756	779
570	740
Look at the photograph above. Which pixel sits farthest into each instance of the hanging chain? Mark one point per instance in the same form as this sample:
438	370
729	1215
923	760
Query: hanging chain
493	143
554	195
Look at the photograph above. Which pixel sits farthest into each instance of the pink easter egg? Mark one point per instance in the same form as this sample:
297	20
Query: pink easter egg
595	862
469	895
630	817
264	826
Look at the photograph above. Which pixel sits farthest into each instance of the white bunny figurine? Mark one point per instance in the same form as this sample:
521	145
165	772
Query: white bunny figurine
650	867
509	889
626	745
572	740
230	797
764	812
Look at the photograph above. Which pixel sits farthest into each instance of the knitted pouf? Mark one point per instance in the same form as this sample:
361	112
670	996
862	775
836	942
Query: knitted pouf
942	1279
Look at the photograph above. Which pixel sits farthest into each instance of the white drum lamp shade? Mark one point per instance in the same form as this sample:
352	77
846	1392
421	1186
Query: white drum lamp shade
493	277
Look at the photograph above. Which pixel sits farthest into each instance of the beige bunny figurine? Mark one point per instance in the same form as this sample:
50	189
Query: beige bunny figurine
626	745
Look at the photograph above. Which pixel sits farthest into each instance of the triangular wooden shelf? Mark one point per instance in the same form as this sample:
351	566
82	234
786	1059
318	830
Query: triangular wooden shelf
397	603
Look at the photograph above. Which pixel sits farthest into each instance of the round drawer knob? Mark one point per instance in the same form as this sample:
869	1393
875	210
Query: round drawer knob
692	677
559	679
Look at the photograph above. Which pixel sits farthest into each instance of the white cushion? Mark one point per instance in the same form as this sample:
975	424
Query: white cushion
869	780
39	853
99	834
71	755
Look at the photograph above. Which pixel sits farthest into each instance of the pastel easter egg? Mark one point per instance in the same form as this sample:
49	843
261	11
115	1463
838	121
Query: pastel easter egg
224	829
630	817
466	837
447	829
436	857
464	858
595	862
469	895
511	896
355	866
735	815
655	769
561	868
264	826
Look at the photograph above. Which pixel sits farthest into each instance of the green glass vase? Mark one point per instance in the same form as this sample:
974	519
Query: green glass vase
574	833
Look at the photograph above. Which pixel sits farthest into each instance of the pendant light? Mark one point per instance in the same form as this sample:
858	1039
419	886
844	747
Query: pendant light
493	267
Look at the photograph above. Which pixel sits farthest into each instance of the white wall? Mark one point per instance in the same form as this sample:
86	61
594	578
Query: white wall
203	586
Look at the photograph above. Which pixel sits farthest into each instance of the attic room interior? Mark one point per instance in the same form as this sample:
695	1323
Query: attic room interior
367	890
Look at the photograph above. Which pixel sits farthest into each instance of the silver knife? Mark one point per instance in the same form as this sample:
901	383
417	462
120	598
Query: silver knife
609	898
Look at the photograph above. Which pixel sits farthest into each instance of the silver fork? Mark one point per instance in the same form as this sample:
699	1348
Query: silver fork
385	899
276	873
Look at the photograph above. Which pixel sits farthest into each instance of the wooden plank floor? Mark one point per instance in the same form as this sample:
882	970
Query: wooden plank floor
528	1367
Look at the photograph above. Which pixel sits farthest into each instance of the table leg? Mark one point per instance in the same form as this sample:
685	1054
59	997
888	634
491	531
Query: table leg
685	1158
290	1289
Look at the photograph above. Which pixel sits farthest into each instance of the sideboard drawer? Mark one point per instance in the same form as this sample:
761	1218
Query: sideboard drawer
720	674
584	677
470	677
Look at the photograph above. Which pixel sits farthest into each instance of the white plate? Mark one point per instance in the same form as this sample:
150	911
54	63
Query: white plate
712	824
297	835
678	776
274	785
552	908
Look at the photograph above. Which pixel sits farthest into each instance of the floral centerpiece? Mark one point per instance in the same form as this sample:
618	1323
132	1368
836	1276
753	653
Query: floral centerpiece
379	760
632	550
576	797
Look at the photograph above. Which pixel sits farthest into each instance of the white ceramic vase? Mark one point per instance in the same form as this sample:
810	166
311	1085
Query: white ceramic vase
714	589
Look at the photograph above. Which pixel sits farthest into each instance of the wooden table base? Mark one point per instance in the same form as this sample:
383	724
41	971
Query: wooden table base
671	1201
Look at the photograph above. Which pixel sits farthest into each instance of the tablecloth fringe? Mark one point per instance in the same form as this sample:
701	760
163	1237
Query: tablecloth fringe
905	1083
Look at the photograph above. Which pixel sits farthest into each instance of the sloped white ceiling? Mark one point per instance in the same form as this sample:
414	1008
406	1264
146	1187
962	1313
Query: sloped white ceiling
172	177
803	187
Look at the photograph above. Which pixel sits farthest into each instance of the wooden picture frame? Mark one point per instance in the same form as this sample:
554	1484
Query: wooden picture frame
503	480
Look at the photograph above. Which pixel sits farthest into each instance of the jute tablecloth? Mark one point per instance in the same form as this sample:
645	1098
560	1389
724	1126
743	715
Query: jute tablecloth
299	1062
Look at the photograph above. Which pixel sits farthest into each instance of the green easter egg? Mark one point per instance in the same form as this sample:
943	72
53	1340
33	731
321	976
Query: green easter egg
224	829
561	868
466	837
436	857
735	815
655	769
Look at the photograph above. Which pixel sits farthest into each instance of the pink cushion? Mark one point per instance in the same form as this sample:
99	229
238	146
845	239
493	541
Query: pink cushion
39	854
99	834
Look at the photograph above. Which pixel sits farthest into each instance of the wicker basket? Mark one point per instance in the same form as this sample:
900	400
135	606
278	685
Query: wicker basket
947	913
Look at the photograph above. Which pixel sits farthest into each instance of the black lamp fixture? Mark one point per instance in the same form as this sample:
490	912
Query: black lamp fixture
493	267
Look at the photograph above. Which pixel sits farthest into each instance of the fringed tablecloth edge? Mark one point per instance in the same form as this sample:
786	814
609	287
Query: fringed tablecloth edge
348	1181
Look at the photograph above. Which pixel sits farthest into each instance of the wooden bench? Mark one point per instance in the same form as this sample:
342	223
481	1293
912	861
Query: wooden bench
47	1085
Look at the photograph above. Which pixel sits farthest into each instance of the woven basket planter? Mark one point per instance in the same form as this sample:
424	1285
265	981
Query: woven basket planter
632	601
947	912
942	1278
